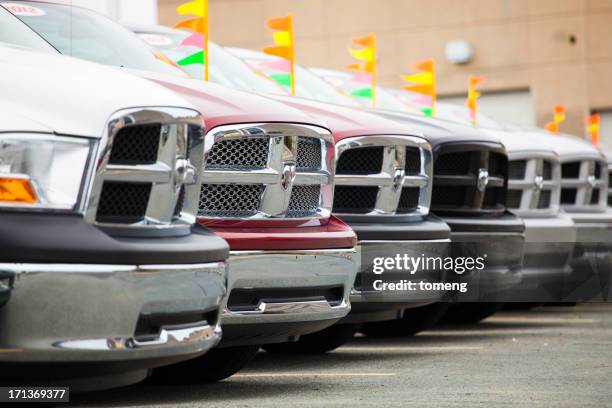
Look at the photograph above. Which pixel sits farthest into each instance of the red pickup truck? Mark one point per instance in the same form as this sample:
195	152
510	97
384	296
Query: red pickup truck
267	189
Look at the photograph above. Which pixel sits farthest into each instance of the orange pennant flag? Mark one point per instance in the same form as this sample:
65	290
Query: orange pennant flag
424	89
279	51
367	41
552	127
193	24
424	65
474	81
279	23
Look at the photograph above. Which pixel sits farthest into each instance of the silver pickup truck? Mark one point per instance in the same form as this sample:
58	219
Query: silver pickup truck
103	273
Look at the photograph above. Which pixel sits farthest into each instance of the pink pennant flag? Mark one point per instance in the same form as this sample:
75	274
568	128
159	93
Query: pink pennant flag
422	99
195	40
362	77
282	65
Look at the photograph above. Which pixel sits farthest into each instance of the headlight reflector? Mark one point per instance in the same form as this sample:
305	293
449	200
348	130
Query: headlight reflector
42	171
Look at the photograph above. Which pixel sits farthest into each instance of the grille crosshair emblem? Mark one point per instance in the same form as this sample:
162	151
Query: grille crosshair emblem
184	172
398	179
538	182
483	179
592	181
288	176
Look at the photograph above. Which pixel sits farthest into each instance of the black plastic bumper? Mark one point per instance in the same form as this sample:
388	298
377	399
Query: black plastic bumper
58	238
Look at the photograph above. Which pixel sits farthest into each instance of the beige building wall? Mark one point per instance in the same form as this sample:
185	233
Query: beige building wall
560	50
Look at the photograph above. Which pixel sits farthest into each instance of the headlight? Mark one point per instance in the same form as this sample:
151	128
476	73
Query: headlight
42	171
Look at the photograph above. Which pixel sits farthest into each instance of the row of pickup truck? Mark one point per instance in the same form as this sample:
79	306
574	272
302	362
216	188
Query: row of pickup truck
157	225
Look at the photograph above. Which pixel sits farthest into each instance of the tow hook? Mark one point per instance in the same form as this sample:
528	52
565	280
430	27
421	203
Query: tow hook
7	279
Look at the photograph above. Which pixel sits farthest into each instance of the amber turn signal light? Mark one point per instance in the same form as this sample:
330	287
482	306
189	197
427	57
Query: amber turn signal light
16	190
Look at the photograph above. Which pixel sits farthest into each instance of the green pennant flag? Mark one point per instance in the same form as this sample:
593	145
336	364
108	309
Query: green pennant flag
427	111
197	58
282	79
362	93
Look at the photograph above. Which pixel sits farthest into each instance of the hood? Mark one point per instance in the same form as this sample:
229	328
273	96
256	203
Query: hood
347	122
223	106
69	96
523	141
439	131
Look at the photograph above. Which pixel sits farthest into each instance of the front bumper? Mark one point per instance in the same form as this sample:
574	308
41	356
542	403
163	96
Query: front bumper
111	323
425	238
500	242
276	296
592	258
549	244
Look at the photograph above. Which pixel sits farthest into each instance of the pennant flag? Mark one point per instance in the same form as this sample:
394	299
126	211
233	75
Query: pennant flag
199	26
196	8
362	92
592	127
473	95
281	79
277	65
422	99
362	78
283	48
366	69
424	83
197	58
558	118
194	40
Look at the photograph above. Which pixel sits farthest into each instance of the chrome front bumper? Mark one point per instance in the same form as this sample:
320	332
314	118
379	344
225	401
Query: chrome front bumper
89	313
549	244
282	284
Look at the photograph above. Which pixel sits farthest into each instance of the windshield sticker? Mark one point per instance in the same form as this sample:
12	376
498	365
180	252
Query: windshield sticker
155	40
23	10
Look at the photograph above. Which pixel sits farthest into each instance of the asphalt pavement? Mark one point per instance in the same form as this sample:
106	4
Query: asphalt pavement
546	357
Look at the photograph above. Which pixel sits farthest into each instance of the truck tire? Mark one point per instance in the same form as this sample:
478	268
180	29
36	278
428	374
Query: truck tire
413	321
317	343
471	312
216	365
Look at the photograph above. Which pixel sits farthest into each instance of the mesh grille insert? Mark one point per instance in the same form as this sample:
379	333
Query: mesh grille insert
568	196
413	161
514	198
355	199
232	200
496	164
453	163
547	170
123	202
544	199
409	199
493	198
449	196
239	153
595	196
516	169
570	170
597	170
304	201
136	144
308	154
361	160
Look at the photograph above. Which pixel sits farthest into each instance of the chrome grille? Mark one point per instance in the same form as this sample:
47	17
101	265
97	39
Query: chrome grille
304	201
309	154
383	175
147	171
239	153
267	171
469	179
610	185
584	184
535	188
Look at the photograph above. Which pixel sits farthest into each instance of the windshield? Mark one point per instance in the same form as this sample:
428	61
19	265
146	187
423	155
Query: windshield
225	68
13	31
88	35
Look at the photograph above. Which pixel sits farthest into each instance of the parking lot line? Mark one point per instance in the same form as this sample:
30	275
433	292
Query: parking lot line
314	374
386	349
